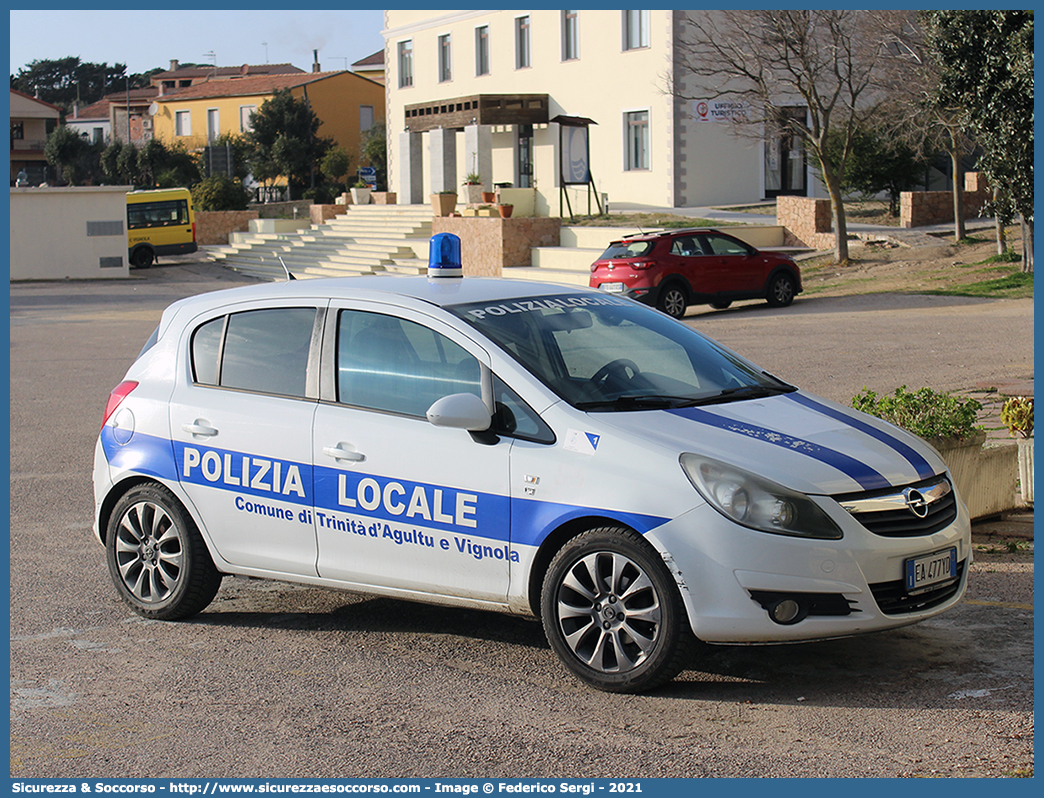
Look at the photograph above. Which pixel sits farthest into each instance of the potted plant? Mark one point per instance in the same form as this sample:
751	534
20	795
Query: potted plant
361	193
444	203
473	188
1017	416
505	210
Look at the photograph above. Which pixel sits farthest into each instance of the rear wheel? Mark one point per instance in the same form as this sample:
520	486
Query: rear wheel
157	558
612	612
781	290
143	257
672	301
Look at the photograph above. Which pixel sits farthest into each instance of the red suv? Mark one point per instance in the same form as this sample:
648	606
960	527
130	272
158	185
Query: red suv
677	268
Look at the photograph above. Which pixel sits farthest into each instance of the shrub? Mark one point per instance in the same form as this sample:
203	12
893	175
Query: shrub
1017	416
926	413
219	193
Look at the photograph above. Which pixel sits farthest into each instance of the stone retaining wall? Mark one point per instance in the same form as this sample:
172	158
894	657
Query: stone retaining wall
490	244
921	208
807	222
281	210
323	213
214	227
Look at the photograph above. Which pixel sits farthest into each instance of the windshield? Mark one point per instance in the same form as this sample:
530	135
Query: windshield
609	353
627	249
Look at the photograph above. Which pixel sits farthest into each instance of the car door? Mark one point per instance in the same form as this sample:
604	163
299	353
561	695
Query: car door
399	502
737	269
686	257
241	419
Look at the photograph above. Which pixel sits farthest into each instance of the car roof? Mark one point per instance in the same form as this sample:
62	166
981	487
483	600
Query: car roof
442	291
665	234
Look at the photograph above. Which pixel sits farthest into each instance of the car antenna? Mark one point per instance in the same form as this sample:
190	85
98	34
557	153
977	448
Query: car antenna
289	276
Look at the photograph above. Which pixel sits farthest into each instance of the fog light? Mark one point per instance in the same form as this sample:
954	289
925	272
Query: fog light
787	611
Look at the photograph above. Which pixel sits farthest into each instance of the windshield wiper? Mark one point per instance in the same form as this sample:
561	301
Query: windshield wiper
740	393
641	402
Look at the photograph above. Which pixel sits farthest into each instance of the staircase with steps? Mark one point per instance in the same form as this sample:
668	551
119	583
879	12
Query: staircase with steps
368	239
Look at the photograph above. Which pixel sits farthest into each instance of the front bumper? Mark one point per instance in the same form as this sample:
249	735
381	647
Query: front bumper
729	575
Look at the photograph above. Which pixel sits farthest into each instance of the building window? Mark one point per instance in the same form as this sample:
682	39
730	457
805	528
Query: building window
637	133
168	84
98	135
482	50
445	58
636	30
570	36
182	123
522	42
245	112
366	117
405	63
213	125
17	131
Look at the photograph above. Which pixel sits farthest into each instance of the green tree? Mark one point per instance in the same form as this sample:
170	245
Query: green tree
179	168
336	164
65	150
878	162
285	141
110	161
373	151
63	81
220	193
127	165
986	62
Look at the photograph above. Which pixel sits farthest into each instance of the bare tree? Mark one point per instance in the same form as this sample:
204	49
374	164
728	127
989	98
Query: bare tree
827	61
914	106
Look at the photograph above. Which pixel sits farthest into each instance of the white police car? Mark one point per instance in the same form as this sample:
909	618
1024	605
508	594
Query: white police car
517	447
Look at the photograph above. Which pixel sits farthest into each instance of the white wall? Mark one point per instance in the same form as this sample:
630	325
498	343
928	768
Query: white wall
49	233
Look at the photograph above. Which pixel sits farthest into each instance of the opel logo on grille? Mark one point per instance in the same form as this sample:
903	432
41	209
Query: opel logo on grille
916	503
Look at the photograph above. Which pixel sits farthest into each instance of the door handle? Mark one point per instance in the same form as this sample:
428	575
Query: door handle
200	428
339	453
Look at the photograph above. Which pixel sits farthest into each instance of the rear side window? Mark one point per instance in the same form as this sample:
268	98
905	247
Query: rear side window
627	249
266	351
394	365
167	213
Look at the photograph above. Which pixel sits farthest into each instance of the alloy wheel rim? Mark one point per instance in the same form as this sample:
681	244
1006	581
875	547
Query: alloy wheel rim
609	612
150	553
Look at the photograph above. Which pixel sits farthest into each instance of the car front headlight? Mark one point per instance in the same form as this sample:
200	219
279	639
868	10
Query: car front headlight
756	502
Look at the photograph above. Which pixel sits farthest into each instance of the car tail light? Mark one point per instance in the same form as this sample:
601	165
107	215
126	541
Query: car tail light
116	396
642	265
193	232
595	265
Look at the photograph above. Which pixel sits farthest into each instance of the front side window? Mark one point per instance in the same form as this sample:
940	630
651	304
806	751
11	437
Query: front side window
265	351
637	133
482	50
445	58
522	42
182	123
405	63
397	366
570	35
606	353
723	245
636	30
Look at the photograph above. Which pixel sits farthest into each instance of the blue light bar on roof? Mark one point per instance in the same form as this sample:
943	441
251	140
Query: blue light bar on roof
444	256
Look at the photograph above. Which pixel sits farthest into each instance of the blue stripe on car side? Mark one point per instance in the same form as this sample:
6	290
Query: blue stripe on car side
924	470
866	476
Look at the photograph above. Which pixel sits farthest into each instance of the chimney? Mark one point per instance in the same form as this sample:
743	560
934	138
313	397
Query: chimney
174	64
315	61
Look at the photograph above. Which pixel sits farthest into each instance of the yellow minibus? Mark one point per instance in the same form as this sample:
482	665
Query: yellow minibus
159	222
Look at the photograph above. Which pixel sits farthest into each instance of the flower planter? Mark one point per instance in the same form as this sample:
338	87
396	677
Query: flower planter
443	204
489	197
985	476
505	211
1026	469
472	193
360	196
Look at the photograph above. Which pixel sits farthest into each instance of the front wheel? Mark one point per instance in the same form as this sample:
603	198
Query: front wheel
672	301
157	558
612	612
781	290
143	258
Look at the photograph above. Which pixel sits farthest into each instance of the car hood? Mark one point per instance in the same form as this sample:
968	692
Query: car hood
798	440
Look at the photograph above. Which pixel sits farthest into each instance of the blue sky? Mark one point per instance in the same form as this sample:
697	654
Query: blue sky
146	39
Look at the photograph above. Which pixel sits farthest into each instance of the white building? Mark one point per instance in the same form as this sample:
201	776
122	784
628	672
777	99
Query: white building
480	92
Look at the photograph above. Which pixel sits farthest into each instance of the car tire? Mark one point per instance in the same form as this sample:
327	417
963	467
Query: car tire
781	290
672	300
143	258
721	305
156	556
613	614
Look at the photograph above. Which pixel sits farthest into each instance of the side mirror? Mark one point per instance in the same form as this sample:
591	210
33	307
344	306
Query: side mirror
460	411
